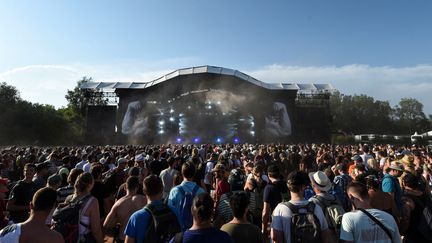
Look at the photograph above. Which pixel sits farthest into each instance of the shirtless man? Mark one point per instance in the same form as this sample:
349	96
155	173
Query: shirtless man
125	207
34	229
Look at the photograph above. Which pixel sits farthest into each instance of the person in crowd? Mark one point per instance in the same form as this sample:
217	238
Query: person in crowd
92	160
140	163
239	228
366	224
340	182
272	196
34	228
321	185
54	181
4	220
64	192
256	182
202	229
357	160
379	199
414	202
283	213
208	178
139	223
222	185
41	175
99	190
179	195
84	160
390	183
236	179
90	223
124	208
167	176
21	195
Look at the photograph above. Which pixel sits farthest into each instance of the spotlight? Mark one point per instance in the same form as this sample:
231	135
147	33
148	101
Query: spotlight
236	140
161	122
181	114
178	140
172	119
196	140
161	131
218	102
218	140
172	111
252	133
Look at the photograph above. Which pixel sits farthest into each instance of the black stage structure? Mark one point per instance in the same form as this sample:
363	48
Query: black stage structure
208	104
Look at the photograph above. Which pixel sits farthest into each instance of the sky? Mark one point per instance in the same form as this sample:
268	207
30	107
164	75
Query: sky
378	48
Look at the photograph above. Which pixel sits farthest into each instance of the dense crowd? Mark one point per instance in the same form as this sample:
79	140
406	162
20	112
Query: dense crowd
216	193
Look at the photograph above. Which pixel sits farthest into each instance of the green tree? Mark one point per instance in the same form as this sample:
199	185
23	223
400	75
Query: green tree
78	99
360	114
410	116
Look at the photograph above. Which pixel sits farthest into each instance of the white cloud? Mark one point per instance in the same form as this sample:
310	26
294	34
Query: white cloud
48	83
383	83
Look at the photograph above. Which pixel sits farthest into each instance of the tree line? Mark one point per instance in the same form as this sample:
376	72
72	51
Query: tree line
26	123
362	114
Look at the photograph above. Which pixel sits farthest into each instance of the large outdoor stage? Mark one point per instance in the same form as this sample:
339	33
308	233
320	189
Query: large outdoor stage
208	105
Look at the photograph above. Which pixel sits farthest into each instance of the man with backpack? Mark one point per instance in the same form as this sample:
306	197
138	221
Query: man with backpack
298	220
181	196
156	222
332	208
367	224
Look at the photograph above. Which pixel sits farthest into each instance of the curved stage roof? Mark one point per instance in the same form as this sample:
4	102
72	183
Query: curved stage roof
110	86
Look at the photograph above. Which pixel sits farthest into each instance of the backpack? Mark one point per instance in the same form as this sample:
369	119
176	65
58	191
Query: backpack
305	226
110	181
425	224
186	205
66	220
333	212
163	224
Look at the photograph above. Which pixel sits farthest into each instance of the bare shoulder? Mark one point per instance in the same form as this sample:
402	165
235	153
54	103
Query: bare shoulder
141	199
56	237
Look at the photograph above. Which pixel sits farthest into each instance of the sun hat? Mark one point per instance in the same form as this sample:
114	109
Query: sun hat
320	181
396	166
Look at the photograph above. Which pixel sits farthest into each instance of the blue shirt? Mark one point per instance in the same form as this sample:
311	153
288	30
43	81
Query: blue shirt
139	222
391	184
175	197
209	235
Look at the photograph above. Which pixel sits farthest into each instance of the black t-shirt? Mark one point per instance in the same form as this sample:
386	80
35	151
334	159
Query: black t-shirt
273	193
22	193
100	192
200	173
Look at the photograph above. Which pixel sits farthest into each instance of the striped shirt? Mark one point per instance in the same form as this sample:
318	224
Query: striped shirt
224	209
63	192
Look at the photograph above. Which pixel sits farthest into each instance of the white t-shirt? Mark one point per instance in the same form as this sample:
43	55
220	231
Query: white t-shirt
282	218
11	236
358	227
209	168
86	167
81	164
167	177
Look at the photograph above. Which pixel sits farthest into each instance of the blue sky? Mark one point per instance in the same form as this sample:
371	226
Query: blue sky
380	48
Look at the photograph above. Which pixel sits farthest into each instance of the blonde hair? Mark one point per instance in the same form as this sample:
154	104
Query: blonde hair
372	163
